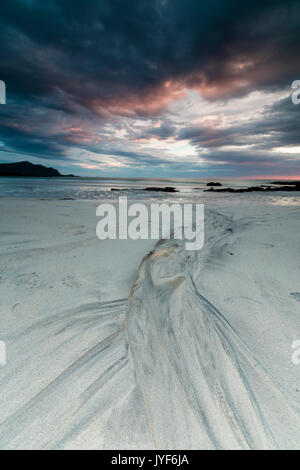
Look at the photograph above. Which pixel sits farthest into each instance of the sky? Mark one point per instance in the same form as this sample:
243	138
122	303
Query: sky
152	88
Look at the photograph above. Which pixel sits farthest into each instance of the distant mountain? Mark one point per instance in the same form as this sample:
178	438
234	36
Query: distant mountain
28	169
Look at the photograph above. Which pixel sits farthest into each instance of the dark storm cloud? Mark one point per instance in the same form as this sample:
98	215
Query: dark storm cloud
277	126
28	143
252	163
114	49
201	136
68	59
164	131
137	158
281	121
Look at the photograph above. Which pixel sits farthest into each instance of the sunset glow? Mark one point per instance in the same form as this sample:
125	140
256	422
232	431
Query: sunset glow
134	104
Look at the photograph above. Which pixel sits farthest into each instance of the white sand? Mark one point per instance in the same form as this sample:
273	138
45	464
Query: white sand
209	333
62	305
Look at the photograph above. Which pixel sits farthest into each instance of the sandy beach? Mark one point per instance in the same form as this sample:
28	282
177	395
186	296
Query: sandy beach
110	347
63	295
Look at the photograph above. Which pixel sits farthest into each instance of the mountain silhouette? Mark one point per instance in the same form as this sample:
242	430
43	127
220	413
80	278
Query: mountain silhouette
27	169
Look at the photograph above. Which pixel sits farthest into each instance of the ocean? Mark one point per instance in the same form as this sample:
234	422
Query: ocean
189	190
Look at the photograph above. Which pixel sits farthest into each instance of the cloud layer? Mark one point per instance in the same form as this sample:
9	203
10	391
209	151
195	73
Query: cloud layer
192	88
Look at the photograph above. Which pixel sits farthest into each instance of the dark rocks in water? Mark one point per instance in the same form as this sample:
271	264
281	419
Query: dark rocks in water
283	183
167	189
214	184
222	190
253	189
125	189
28	169
296	295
